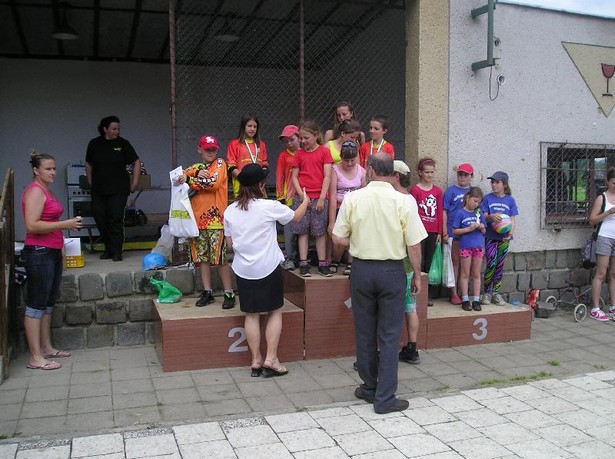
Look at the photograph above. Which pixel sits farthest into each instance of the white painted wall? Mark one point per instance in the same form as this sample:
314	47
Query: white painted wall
55	107
544	100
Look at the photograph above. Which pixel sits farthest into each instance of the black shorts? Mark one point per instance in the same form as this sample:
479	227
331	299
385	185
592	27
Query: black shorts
261	295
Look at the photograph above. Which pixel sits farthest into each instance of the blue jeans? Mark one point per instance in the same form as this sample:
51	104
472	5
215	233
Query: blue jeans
44	270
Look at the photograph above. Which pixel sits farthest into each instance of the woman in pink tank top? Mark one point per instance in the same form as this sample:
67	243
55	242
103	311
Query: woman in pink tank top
42	254
347	176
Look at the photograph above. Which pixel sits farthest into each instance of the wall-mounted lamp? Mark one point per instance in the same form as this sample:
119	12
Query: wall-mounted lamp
226	33
63	31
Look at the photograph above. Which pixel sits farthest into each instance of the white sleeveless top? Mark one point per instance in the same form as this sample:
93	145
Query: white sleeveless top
607	229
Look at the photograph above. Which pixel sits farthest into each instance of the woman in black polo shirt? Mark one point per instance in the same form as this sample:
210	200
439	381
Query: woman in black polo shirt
105	164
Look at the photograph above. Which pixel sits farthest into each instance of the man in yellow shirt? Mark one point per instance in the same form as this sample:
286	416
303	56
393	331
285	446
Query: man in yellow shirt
380	226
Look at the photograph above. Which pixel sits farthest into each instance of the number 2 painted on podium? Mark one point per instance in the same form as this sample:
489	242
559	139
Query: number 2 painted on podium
235	347
482	328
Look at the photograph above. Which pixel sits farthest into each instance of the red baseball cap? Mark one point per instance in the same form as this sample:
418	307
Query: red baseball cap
289	131
208	142
465	167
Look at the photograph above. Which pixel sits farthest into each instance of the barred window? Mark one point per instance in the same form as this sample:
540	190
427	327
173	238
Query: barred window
572	175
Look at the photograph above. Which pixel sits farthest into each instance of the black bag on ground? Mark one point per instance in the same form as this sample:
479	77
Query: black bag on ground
134	217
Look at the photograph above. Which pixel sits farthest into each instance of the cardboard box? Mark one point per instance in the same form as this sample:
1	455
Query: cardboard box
73	258
72	246
145	181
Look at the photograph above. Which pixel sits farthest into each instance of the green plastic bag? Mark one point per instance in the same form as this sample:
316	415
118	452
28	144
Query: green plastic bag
435	270
167	293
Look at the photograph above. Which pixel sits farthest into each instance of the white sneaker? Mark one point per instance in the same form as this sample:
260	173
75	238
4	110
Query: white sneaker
612	310
497	299
485	299
599	315
288	264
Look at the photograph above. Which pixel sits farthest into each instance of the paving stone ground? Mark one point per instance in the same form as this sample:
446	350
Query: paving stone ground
550	396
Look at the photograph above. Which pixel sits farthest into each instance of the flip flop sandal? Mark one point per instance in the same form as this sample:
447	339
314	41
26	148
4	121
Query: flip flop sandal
58	355
333	267
347	270
275	369
45	366
256	368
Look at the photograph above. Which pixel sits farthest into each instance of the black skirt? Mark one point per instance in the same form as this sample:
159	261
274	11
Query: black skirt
261	295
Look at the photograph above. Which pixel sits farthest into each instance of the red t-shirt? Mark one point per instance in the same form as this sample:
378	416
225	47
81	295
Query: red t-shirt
311	169
364	150
430	207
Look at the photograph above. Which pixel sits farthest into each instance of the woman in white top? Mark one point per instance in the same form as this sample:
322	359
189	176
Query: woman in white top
250	229
602	214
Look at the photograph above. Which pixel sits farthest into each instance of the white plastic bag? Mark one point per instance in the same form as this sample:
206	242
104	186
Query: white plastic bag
164	246
181	216
448	272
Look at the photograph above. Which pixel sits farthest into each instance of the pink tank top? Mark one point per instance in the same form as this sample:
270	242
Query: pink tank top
346	186
52	211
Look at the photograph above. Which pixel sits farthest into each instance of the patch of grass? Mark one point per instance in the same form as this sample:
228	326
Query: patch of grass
159	404
600	366
151	426
518	378
554	363
491	382
444	387
3	437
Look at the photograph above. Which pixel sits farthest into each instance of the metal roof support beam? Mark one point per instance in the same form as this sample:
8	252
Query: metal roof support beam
134	28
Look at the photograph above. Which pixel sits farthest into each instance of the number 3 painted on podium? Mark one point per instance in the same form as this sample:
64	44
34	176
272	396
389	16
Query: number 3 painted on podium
482	327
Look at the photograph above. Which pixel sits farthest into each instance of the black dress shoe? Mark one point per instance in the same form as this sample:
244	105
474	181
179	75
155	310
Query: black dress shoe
398	405
117	258
105	256
358	392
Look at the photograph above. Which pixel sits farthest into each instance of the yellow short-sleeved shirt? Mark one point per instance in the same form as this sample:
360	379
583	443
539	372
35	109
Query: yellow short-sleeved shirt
380	222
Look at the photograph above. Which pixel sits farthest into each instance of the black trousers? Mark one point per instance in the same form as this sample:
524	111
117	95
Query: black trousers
378	292
108	211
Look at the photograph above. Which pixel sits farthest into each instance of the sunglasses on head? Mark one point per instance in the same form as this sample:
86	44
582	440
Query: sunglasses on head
349	144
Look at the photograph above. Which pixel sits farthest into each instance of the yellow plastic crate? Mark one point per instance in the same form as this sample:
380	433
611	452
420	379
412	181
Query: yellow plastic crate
74	261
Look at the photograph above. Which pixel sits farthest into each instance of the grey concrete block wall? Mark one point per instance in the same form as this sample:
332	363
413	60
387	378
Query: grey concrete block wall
117	309
112	310
130	334
111	313
100	336
183	279
140	310
78	314
119	284
91	287
68	289
142	283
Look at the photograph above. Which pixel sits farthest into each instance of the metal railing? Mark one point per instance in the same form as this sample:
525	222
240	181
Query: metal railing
572	176
7	272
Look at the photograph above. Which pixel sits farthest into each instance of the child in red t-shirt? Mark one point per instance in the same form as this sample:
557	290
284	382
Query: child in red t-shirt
285	191
378	127
429	201
312	172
